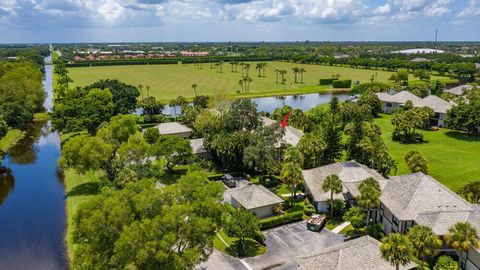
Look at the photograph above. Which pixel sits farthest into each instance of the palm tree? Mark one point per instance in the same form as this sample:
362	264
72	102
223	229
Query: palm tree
425	242
284	82
236	63
369	197
240	82
291	175
194	86
259	68
140	87
333	184
276	75
247	68
301	70
248	80
397	249
232	63
283	72
416	162
242	66
173	104
220	66
462	237
296	70
292	154
148	90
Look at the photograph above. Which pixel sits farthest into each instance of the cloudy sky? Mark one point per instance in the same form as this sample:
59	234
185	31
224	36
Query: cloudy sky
237	20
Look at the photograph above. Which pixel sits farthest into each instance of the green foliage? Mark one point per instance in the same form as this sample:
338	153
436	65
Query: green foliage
15	114
291	173
313	149
268	223
466	114
371	99
471	191
124	96
369	197
150	108
151	135
296	118
242	225
425	243
462	237
333	184
175	150
326	81
241	115
3	128
201	101
375	230
261	153
422	74
375	87
85	153
445	263
397	249
402	76
416	162
356	217
408	121
229	148
342	83
188	213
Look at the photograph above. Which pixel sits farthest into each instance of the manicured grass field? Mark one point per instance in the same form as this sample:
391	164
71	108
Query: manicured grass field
170	81
453	156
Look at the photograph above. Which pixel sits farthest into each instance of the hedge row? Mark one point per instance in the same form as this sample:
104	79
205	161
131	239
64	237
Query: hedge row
326	81
124	62
280	220
215	177
342	83
225	59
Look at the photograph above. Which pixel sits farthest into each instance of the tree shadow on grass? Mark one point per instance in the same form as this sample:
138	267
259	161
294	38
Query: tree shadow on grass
90	188
252	248
462	136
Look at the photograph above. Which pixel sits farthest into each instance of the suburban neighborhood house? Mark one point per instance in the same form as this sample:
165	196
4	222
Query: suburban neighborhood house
438	105
350	173
291	136
360	254
418	199
174	128
459	90
255	198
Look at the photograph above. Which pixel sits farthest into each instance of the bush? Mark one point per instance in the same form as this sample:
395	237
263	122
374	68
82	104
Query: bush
280	220
268	181
342	84
326	81
259	237
215	177
309	209
445	263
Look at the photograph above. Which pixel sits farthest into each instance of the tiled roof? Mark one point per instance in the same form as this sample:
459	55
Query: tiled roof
360	254
351	174
400	97
254	196
440	221
172	128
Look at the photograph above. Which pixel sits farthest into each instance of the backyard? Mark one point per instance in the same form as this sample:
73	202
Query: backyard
169	81
453	156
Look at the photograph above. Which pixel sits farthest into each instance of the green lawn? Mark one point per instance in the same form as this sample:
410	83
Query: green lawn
41	117
453	156
10	139
169	81
253	248
78	189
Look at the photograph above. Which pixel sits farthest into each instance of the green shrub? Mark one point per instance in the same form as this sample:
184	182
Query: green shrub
445	263
309	209
326	81
280	220
342	83
215	177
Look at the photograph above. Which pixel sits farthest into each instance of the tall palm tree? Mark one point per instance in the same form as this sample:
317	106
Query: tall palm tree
276	75
416	162
248	81
462	237
291	175
242	66
259	68
232	63
194	86
292	154
283	72
301	70
397	249
148	90
236	63
220	66
284	82
296	70
369	197
173	104
140	87
247	68
333	184
425	243
240	82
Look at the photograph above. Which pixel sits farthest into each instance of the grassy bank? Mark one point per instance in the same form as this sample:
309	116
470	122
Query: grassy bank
452	156
78	189
170	81
12	137
41	117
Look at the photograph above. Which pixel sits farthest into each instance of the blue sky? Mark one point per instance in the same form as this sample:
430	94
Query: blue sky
237	20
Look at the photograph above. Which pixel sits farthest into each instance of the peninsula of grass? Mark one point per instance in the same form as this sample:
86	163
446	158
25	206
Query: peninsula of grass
169	81
453	156
12	137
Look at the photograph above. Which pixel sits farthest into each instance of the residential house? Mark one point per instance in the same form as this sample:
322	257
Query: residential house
360	254
391	102
291	135
351	174
419	199
439	106
255	198
174	128
459	90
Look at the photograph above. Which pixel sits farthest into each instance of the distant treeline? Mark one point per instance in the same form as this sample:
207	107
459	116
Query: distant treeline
166	61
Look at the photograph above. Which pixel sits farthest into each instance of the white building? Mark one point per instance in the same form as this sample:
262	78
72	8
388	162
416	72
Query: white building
255	198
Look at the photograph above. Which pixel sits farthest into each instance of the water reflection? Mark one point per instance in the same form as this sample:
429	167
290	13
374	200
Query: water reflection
7	183
26	152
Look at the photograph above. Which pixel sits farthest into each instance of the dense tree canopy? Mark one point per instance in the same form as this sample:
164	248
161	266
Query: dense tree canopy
124	96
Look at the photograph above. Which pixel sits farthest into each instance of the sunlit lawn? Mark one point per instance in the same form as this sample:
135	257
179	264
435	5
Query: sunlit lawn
10	139
169	81
453	156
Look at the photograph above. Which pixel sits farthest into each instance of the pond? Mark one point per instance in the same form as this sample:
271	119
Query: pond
32	200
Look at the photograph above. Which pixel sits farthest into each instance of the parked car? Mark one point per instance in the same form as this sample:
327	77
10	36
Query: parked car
229	181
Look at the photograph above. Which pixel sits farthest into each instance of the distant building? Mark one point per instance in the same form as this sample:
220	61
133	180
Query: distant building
351	174
174	128
391	102
358	254
459	90
419	51
184	53
419	59
255	198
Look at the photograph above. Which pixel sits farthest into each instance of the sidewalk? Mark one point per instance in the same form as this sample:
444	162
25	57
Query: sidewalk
340	227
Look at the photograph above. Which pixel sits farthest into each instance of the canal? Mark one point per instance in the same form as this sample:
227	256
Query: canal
32	199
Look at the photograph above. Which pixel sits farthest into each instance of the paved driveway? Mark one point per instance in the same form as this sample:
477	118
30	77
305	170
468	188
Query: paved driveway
283	243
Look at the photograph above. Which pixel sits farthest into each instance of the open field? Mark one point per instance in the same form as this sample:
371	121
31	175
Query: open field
453	156
170	81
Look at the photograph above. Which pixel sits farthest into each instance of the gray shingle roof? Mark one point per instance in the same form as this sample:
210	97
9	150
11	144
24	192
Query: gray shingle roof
351	173
360	254
437	104
441	221
172	128
459	90
400	97
291	136
254	196
409	195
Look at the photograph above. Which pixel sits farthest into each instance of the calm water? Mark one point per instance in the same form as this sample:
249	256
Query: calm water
269	104
32	202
